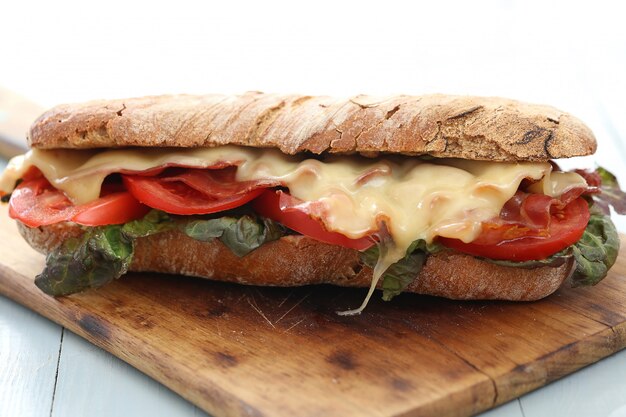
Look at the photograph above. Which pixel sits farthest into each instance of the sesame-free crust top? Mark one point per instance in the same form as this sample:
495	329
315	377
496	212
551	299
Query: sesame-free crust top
485	128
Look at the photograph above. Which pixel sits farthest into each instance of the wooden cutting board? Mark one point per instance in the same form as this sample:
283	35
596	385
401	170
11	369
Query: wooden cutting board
246	351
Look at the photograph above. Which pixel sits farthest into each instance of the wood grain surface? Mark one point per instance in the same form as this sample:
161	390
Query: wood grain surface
246	351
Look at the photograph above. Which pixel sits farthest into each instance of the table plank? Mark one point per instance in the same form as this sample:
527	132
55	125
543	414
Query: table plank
29	352
94	383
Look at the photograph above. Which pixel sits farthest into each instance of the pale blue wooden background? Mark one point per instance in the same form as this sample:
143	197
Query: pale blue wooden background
571	54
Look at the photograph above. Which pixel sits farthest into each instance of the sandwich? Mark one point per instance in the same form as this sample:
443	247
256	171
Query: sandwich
452	196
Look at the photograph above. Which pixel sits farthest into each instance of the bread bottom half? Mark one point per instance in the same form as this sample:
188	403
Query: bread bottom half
298	260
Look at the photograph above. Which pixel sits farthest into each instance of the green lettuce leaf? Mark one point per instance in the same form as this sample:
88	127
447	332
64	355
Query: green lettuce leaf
399	275
423	246
241	234
99	256
152	223
555	260
596	251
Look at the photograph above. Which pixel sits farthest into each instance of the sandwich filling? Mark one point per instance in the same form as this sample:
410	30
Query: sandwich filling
357	202
417	199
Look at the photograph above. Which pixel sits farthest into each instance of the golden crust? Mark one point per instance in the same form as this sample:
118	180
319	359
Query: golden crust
483	128
298	260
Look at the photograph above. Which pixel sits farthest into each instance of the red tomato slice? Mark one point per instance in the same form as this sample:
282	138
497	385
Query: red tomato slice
517	242
115	208
194	191
282	207
36	203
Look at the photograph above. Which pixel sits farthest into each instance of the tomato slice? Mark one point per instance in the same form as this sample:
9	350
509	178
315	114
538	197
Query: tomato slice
518	242
114	208
36	203
283	208
194	191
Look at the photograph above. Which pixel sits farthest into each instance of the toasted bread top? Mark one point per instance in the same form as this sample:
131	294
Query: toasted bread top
481	128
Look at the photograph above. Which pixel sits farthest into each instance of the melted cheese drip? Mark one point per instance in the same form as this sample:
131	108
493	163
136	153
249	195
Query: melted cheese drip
414	198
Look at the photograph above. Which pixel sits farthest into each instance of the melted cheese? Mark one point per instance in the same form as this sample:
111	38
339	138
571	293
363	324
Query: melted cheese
80	173
413	198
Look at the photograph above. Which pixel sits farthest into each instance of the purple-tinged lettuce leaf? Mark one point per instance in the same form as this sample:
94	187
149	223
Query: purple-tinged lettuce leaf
611	193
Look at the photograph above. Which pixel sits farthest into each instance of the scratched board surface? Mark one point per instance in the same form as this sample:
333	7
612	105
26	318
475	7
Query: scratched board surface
235	350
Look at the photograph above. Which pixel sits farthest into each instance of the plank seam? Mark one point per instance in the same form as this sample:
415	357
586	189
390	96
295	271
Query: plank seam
617	344
619	339
521	407
56	375
474	367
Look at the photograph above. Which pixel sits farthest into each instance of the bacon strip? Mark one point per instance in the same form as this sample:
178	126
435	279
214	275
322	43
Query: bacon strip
216	183
535	211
